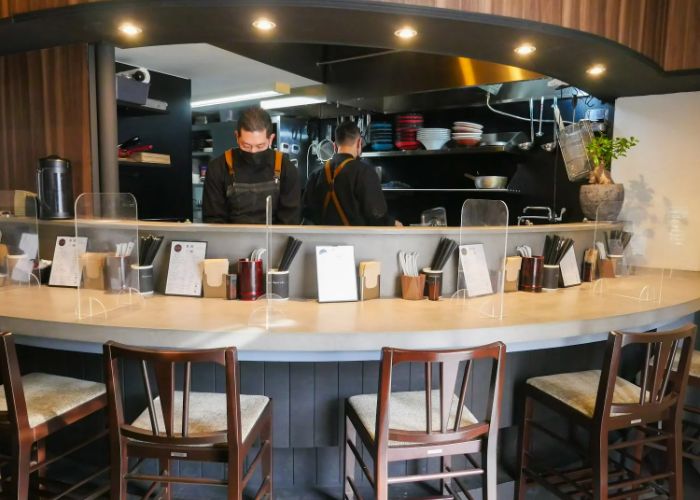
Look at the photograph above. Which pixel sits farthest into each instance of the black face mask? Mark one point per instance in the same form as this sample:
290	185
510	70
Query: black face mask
255	158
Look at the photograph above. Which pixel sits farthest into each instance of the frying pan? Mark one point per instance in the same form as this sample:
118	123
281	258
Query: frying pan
488	181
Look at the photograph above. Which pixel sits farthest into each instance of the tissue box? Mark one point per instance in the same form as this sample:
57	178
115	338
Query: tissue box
513	265
213	282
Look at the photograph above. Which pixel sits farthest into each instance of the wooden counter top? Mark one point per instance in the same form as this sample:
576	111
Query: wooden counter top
307	330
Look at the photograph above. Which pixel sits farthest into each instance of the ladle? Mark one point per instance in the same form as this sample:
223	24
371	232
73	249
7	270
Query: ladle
551	146
527	146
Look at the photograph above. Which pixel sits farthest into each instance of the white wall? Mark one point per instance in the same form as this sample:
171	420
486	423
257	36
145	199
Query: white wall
662	176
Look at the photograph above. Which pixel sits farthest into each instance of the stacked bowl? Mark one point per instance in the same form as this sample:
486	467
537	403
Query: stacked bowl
380	136
406	128
433	138
467	133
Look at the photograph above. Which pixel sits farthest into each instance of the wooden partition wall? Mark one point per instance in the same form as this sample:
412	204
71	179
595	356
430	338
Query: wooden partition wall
44	109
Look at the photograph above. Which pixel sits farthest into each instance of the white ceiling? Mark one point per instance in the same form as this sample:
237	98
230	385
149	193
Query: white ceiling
214	72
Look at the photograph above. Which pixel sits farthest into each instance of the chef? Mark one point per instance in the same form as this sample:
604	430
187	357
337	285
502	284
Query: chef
238	182
346	191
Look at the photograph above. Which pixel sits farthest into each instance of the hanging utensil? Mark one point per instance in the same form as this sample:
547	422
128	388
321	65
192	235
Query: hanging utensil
551	146
527	146
539	131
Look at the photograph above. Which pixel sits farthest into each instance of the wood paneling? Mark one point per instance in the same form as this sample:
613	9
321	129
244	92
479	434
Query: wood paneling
44	109
682	49
4	8
23	6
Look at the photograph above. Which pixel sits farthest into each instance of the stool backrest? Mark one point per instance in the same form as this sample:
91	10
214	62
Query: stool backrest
16	414
159	369
663	379
455	367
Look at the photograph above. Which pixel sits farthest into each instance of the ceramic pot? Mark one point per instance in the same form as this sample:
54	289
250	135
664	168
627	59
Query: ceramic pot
602	201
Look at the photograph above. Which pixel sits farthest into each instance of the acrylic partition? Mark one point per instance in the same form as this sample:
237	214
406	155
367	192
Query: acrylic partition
107	242
622	267
481	274
19	240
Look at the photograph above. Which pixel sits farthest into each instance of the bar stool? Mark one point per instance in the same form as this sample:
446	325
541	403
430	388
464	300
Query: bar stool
34	407
186	425
602	402
396	426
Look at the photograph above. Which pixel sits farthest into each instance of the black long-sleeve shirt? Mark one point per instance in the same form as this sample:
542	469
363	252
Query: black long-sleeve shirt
358	189
214	206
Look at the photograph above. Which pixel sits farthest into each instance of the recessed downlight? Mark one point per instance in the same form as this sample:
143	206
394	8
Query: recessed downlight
596	70
406	32
525	49
130	29
264	24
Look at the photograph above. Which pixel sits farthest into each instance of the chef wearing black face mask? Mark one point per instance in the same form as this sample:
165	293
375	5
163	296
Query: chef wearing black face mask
239	181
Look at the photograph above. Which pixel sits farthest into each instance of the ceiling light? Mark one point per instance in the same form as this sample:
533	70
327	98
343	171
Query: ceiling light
596	70
525	49
406	32
277	89
264	24
130	29
288	102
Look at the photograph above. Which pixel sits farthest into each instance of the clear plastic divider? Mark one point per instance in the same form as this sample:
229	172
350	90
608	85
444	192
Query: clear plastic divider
482	257
109	221
19	240
622	264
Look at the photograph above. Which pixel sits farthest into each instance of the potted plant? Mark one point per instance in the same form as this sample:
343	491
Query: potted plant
601	198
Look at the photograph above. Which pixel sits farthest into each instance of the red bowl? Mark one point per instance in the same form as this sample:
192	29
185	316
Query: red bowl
408	145
468	142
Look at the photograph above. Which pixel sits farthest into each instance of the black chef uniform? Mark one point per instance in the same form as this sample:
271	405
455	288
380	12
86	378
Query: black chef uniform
235	188
345	192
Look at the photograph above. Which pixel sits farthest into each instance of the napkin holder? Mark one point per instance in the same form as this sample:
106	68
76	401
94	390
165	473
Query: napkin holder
92	265
370	280
213	282
513	264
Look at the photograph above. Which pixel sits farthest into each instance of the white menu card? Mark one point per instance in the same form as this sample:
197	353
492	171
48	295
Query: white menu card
476	271
65	268
570	275
335	272
185	268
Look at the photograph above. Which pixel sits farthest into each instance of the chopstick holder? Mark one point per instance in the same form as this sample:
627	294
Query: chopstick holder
214	284
370	280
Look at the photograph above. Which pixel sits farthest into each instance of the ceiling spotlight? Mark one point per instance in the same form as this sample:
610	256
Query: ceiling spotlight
130	29
525	49
264	24
406	32
596	70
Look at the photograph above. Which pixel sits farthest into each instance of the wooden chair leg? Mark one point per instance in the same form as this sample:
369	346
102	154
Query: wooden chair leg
39	456
445	463
637	452
235	476
118	468
349	470
381	480
20	470
599	464
524	447
674	457
166	470
267	456
489	460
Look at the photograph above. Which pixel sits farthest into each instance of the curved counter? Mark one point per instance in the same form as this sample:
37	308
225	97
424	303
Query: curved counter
304	330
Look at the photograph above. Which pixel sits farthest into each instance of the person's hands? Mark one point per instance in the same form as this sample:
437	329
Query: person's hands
397	223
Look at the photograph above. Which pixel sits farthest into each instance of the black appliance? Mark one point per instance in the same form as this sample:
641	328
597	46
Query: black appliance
54	184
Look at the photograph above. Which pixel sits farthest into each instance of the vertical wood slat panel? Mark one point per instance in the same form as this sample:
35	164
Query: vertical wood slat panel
277	387
682	42
301	397
24	6
326	405
44	109
4	8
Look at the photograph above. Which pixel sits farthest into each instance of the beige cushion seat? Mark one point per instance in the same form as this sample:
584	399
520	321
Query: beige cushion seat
207	413
580	389
49	396
695	364
407	412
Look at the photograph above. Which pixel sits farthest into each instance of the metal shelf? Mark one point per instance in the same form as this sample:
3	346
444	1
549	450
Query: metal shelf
202	154
436	152
450	190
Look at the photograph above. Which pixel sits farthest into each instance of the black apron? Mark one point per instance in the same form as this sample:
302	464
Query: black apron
246	201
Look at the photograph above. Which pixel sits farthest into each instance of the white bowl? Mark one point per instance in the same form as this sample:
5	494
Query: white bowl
468	124
433	144
466	136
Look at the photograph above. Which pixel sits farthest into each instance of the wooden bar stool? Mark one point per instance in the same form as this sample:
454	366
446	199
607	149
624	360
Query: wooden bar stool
602	403
186	425
396	426
691	428
32	408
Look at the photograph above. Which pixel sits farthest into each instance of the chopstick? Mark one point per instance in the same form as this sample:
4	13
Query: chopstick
444	250
555	247
148	249
290	251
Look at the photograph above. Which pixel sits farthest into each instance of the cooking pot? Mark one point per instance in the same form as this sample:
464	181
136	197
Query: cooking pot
488	181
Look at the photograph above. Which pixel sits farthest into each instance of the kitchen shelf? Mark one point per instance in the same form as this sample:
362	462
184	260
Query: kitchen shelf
437	152
142	164
131	109
202	154
449	190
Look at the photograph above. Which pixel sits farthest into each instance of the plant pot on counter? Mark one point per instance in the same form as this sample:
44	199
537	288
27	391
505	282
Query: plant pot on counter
609	197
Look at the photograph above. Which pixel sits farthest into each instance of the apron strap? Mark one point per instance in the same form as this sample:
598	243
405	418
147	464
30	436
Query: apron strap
330	195
228	156
278	164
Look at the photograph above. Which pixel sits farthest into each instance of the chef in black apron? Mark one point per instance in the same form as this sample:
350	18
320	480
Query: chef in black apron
238	182
346	191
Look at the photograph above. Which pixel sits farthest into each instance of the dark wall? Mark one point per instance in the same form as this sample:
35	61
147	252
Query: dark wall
163	193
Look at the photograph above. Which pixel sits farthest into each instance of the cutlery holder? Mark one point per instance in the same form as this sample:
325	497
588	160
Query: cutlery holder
279	284
251	284
550	277
531	274
412	287
142	279
433	284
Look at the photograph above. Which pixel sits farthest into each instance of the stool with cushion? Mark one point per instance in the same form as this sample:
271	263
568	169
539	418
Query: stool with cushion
433	422
622	420
178	424
34	407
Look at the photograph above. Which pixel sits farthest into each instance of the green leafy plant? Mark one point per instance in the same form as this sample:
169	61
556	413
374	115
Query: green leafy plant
602	150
